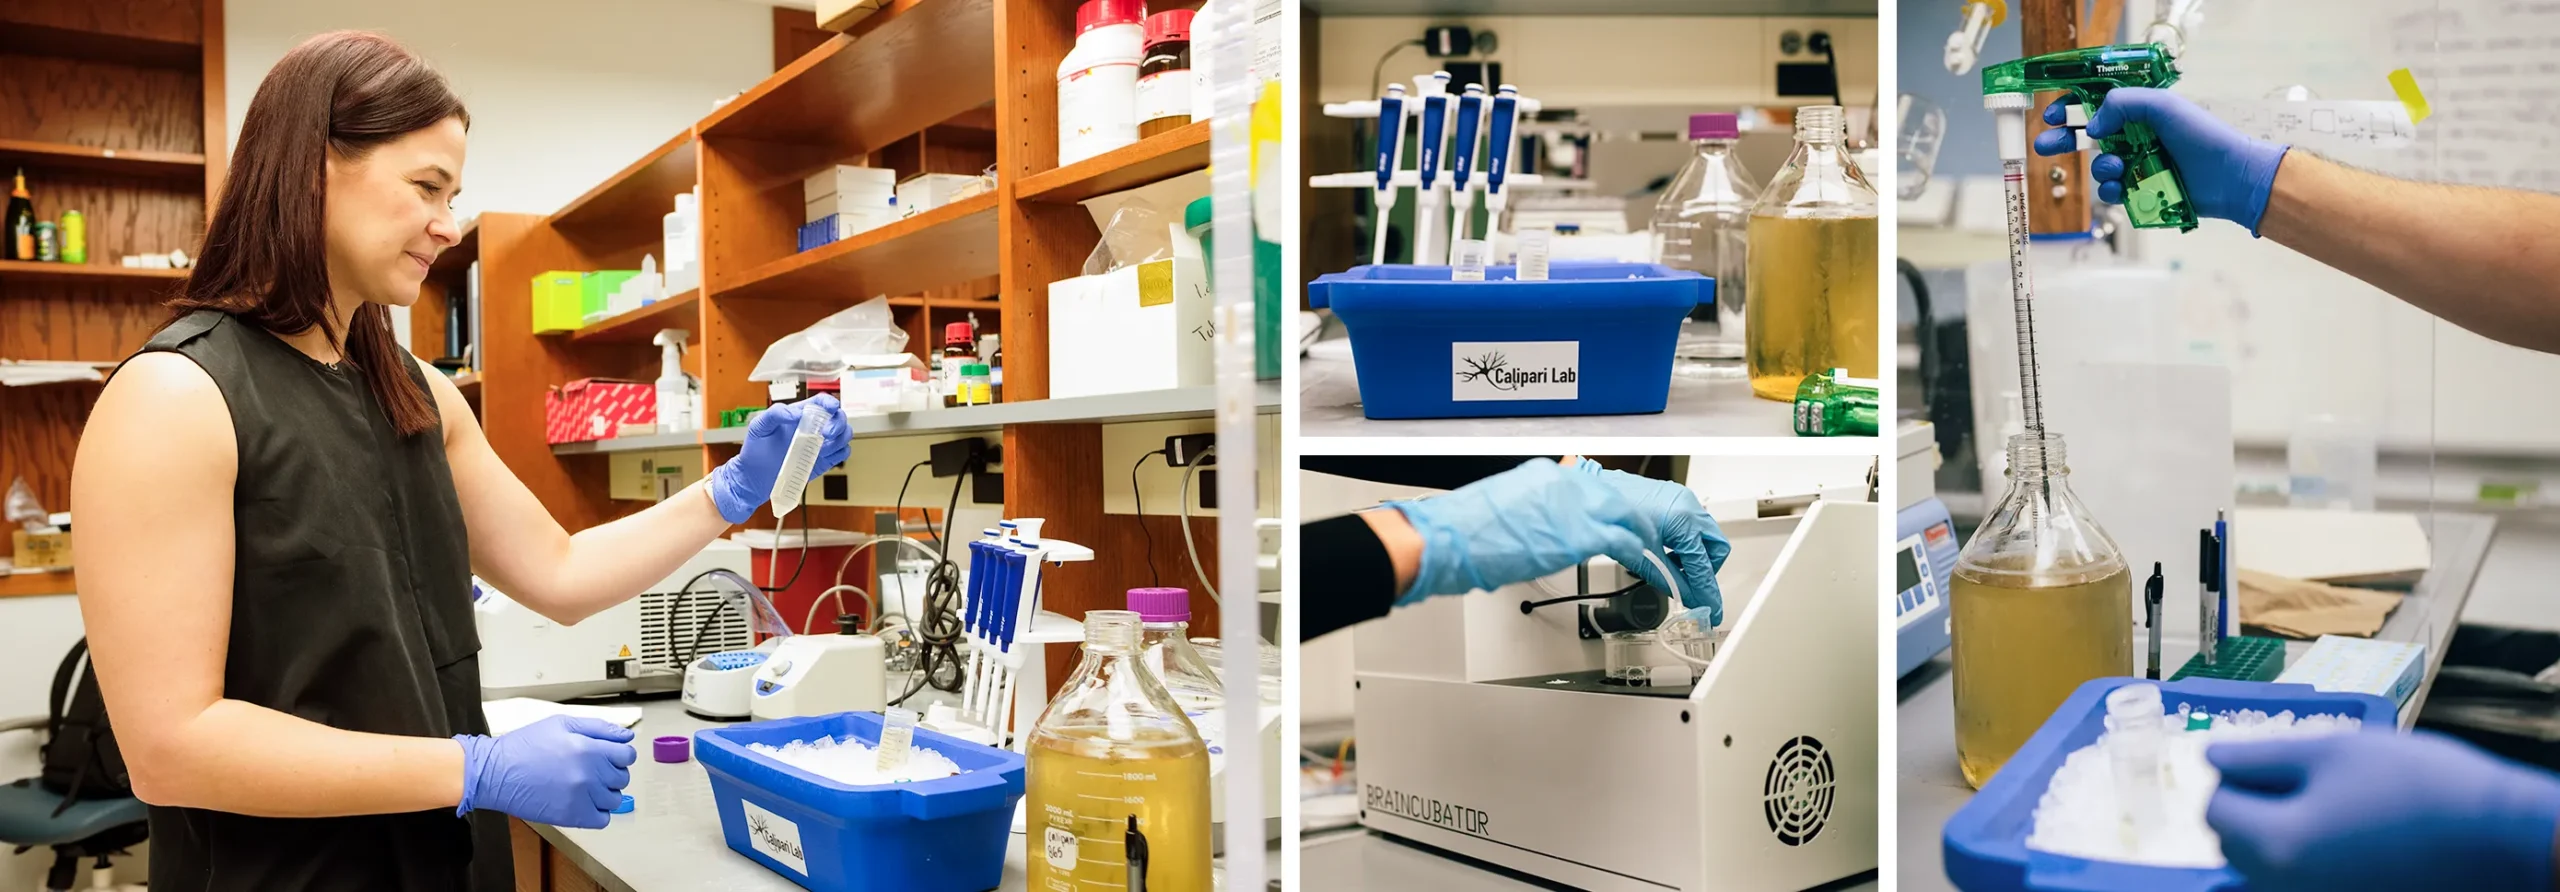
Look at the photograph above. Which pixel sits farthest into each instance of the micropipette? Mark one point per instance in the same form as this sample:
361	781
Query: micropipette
1390	135
1497	162
1426	196
1462	156
800	461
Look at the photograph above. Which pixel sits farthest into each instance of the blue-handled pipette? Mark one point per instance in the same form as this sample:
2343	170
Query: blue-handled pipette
1462	156
1390	153
1506	114
1432	129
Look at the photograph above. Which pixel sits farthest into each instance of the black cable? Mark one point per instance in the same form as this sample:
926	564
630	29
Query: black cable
1380	70
1526	606
1154	578
804	556
678	607
940	628
900	508
956	483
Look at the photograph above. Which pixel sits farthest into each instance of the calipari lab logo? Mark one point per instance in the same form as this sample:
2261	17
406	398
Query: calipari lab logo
1517	371
756	825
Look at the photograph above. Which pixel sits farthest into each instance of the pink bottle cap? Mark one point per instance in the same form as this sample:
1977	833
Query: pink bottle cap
672	749
1161	605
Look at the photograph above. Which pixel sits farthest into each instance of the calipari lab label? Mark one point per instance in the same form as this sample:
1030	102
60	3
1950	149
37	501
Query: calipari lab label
1515	370
1430	811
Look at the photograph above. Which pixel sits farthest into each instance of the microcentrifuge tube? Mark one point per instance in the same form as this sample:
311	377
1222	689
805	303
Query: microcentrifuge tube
896	735
1467	259
2134	745
1536	242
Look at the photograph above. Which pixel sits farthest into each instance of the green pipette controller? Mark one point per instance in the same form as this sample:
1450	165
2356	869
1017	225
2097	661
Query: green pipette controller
2154	196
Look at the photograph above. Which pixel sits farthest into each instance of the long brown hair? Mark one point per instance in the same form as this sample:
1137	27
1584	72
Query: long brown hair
265	257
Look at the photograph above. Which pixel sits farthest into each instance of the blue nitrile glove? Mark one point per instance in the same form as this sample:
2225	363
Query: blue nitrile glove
1698	547
2228	174
741	485
2377	810
564	771
1521	524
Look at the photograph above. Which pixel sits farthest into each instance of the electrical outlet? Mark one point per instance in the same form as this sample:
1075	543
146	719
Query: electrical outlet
1183	450
1208	489
953	456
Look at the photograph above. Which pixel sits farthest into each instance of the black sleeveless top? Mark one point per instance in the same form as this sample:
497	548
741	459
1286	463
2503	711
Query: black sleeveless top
350	607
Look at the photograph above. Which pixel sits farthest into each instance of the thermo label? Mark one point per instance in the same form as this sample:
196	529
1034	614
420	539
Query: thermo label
777	838
1515	370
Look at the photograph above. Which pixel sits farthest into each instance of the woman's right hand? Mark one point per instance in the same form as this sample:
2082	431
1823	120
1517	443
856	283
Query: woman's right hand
740	485
564	771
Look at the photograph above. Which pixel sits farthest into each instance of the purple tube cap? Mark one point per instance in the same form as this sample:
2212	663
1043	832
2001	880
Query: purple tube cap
671	749
1161	605
1715	125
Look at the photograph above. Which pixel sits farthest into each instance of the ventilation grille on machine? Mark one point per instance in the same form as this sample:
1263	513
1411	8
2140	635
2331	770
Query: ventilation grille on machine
1796	796
728	630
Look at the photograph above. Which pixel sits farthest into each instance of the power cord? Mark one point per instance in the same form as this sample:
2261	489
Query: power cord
1187	543
1154	577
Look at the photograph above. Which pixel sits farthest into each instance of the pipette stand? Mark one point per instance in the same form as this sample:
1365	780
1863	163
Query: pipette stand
1430	209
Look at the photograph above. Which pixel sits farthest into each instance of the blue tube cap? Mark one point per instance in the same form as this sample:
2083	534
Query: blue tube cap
624	807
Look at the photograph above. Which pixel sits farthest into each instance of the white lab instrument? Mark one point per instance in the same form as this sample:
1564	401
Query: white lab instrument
1964	47
1476	720
721	686
798	464
631	646
679	397
822	675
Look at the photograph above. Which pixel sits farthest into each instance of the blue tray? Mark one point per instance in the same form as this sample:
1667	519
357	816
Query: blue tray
1591	339
1986	841
945	835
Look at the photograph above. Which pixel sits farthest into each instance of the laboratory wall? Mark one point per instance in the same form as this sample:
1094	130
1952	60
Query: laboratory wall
562	93
1607	60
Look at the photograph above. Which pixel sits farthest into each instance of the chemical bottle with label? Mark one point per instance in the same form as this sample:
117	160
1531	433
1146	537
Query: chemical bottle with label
1164	74
18	229
1098	80
1114	760
1811	265
678	394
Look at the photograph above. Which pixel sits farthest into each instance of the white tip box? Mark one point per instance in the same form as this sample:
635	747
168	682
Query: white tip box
1144	327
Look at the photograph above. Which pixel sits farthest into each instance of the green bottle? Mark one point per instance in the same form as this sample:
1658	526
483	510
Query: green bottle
1836	405
75	237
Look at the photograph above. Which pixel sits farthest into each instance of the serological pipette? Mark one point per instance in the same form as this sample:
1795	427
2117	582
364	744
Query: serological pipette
2009	114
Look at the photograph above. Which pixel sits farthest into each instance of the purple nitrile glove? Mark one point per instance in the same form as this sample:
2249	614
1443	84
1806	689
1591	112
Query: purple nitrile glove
2378	810
742	484
2228	174
564	771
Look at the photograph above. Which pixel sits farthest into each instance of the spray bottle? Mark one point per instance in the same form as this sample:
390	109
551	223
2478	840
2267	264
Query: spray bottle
678	394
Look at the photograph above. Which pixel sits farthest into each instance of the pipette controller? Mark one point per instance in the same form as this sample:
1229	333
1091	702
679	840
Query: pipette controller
800	461
1390	137
2155	197
1462	156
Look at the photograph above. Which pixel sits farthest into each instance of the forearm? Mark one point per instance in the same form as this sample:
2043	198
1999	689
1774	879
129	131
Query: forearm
245	759
2484	259
612	562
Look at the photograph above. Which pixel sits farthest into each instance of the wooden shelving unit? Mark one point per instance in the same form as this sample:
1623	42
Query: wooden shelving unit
138	148
926	86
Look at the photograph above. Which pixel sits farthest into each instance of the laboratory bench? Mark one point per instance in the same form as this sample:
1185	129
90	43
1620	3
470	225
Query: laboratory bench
1357	860
1930	787
1329	406
671	842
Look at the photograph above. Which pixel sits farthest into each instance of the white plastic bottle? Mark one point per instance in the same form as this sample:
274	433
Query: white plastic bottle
676	391
684	252
1098	80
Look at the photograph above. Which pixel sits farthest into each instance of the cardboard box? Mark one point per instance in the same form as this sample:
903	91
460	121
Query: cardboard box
653	476
1145	327
596	409
556	302
40	551
926	191
846	179
864	202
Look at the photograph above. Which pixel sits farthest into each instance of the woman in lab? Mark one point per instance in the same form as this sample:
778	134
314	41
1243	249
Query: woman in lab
280	512
1532	520
2373	810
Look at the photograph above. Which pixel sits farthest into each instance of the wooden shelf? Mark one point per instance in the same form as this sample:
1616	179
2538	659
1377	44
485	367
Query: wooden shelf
925	65
457	259
1153	159
1111	408
638	326
631	207
59	156
98	46
952	243
23	584
86	272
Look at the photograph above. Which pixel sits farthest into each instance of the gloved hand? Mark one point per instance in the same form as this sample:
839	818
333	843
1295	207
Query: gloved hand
563	771
2377	810
1521	524
2228	174
742	484
1697	544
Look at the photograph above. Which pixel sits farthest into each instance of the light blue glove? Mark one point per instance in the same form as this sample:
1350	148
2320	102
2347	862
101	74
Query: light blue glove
743	484
1697	544
2377	810
2228	174
1521	524
563	771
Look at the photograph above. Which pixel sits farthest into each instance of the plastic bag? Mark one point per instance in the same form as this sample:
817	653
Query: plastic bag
23	508
1137	233
824	350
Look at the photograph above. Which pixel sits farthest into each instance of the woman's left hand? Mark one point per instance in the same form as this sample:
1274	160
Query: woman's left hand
740	485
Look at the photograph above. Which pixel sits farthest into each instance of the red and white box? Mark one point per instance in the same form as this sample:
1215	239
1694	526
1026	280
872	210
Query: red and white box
596	409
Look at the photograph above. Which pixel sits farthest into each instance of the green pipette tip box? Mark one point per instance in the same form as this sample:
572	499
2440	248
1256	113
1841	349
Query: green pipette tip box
2240	658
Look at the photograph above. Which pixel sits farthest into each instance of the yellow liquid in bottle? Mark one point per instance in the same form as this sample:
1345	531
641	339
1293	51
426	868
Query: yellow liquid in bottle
1811	306
2021	651
1082	791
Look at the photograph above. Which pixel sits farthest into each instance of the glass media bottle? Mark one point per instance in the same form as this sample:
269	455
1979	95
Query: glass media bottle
1703	219
1811	301
2042	602
1119	779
